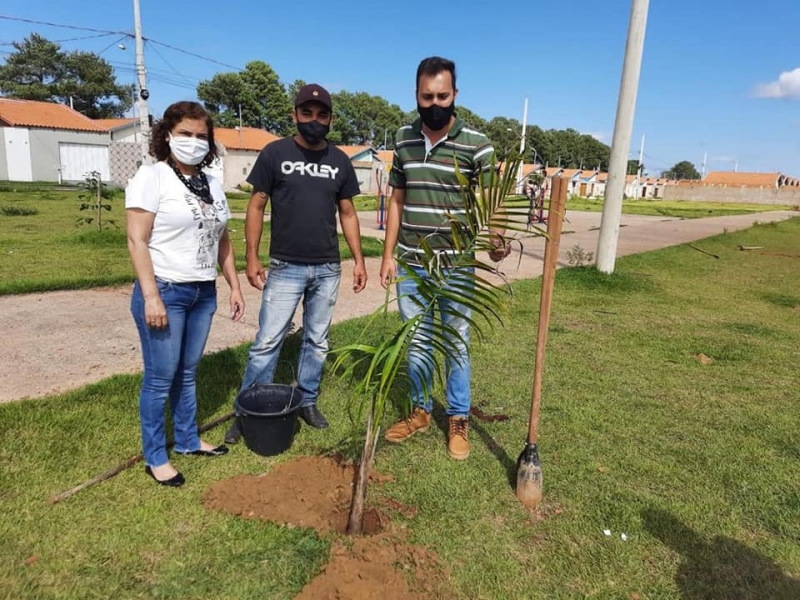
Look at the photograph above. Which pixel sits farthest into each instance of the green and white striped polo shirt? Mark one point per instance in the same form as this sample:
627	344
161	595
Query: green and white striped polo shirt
428	176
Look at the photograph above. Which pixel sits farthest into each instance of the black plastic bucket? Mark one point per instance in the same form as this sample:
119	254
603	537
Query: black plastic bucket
267	415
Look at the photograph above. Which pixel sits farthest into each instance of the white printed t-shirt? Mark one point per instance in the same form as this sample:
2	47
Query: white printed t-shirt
184	242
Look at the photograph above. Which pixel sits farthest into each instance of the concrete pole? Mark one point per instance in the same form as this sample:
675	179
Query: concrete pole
620	146
141	75
520	186
640	170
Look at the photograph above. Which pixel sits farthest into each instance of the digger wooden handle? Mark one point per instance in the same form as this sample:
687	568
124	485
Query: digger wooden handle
555	219
128	464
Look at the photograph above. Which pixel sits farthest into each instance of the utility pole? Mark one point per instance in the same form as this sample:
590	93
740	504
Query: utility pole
620	146
705	158
640	170
141	75
522	145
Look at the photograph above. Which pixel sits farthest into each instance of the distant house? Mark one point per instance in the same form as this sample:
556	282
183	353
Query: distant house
748	180
587	180
573	177
368	166
121	130
239	149
632	188
44	141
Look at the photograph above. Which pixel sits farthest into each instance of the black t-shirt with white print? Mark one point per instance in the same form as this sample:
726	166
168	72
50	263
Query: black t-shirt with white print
304	187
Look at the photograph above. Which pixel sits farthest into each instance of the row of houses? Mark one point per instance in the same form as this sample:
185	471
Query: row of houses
592	183
42	141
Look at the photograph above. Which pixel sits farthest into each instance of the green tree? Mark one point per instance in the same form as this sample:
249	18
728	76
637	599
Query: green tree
376	363
633	167
360	118
90	83
682	170
256	92
39	70
505	135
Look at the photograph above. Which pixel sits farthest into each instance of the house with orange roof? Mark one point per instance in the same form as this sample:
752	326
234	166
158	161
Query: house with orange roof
238	149
587	180
121	130
748	180
370	169
45	141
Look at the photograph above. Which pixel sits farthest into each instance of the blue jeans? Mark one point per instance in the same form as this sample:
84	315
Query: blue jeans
287	283
171	357
421	354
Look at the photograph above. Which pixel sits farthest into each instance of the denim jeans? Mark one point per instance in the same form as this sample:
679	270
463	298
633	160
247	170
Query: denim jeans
287	283
171	357
421	353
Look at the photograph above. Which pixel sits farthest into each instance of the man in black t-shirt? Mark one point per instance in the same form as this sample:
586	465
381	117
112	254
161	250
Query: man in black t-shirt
308	181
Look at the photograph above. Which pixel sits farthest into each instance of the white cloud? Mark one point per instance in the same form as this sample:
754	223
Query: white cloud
787	86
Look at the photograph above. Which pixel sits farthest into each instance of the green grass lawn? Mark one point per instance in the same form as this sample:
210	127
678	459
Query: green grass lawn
698	464
673	208
47	251
238	202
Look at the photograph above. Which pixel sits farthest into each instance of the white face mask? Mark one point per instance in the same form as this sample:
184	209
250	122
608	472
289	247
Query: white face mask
188	150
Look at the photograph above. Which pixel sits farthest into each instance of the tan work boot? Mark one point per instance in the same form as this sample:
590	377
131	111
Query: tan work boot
419	420
457	437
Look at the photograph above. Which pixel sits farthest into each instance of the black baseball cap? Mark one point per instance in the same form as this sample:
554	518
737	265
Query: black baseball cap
313	93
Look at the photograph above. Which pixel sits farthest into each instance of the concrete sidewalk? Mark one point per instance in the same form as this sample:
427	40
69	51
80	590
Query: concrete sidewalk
58	341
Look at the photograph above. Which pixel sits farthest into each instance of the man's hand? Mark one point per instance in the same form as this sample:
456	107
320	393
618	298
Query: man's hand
256	274
388	272
359	277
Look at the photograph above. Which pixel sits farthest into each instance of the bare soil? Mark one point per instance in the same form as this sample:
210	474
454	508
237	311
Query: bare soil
315	492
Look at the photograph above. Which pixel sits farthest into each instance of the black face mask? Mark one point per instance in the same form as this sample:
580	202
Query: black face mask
436	117
313	132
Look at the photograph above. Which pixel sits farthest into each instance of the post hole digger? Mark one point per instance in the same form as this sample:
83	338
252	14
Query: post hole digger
529	468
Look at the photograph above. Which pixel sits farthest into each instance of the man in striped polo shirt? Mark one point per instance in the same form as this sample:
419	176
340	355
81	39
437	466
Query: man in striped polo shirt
425	190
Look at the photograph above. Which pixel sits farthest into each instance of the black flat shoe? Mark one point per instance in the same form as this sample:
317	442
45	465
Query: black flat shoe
175	481
218	451
312	416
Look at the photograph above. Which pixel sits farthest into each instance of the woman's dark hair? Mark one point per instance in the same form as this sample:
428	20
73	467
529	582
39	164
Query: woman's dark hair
434	65
175	113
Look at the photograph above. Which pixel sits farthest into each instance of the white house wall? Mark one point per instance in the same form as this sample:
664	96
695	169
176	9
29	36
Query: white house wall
45	154
17	150
237	165
3	163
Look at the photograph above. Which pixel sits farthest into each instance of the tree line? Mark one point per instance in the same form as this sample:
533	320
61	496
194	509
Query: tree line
38	69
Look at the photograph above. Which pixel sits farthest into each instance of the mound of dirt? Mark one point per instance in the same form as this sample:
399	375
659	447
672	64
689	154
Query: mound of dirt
315	492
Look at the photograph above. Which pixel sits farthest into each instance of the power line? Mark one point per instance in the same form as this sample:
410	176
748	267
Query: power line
123	33
169	64
62	26
211	60
85	37
114	43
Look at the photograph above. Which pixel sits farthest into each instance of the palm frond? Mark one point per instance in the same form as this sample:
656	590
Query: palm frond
452	282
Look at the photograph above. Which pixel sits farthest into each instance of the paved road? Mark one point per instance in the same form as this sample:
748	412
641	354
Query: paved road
57	341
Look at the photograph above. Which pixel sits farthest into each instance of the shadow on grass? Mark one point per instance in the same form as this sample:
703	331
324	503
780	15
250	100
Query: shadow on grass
508	463
782	300
722	568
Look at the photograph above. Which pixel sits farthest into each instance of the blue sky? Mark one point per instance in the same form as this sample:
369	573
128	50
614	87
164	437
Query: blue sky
711	76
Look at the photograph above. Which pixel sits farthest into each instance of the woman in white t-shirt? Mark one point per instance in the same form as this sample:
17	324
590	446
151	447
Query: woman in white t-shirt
177	234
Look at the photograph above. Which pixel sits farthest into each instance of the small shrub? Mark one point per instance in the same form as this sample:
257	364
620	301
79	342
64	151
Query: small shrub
578	257
18	211
92	200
